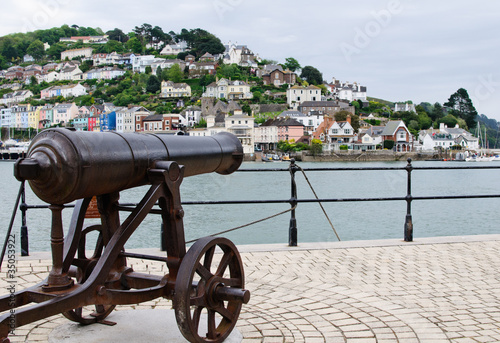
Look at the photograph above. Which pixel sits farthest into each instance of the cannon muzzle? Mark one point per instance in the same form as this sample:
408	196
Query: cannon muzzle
63	165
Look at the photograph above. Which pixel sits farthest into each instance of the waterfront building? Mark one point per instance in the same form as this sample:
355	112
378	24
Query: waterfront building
399	134
128	117
65	112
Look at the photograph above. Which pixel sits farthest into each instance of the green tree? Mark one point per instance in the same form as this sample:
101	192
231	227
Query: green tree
292	64
388	144
134	45
153	84
461	106
55	50
449	120
342	116
201	123
175	73
311	75
316	147
117	35
112	46
9	50
36	50
158	73
437	112
200	41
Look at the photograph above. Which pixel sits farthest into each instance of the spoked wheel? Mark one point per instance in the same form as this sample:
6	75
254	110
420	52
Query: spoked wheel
85	266
86	317
210	289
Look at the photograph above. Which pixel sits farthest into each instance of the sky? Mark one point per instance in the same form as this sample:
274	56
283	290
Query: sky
418	50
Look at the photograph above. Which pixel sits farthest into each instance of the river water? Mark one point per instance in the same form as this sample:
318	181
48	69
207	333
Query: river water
351	220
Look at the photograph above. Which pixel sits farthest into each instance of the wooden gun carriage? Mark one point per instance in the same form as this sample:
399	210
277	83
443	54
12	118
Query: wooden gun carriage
63	165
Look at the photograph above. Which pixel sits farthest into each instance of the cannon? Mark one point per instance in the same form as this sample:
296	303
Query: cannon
204	282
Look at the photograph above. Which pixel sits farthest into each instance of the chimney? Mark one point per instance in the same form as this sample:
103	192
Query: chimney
348	119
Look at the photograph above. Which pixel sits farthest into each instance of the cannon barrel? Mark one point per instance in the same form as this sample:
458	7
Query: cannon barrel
63	165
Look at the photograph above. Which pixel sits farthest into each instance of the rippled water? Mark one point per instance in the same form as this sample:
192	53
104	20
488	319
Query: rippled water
352	220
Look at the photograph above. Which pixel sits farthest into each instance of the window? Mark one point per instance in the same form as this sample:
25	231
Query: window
401	135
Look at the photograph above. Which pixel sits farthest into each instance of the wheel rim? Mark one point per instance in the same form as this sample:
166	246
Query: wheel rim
201	273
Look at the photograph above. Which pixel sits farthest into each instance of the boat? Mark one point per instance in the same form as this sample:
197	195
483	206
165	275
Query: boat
285	157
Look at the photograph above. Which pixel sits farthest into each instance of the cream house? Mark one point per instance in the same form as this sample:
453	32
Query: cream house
170	89
227	89
298	94
82	52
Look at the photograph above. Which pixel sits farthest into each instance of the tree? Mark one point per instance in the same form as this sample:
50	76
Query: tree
437	112
175	73
461	107
342	116
312	75
55	50
9	50
36	49
200	41
117	35
153	85
449	120
388	144
113	45
316	147
134	45
292	64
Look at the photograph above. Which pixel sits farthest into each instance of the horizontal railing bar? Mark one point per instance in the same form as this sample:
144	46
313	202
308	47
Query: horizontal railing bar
373	168
124	207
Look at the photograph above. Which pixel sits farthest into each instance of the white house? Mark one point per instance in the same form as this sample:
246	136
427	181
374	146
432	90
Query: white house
16	97
190	116
298	94
404	107
351	92
6	119
174	49
139	63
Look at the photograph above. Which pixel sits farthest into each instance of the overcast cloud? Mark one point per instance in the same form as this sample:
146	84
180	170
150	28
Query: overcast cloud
400	49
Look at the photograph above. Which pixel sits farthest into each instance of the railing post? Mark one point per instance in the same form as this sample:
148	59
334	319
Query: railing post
24	227
408	220
292	230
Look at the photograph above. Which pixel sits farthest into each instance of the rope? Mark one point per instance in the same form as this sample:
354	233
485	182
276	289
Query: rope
320	205
245	225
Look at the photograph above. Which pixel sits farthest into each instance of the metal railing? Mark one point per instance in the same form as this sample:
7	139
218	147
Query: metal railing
294	200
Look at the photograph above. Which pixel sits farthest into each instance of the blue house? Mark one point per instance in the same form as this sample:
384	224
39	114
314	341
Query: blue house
108	121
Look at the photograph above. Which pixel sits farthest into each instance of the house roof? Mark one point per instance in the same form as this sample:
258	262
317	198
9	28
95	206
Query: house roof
391	127
154	117
320	104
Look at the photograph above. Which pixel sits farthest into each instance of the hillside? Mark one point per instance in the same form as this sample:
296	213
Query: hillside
46	46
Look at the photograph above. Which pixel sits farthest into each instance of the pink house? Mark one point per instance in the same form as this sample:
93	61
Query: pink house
288	128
